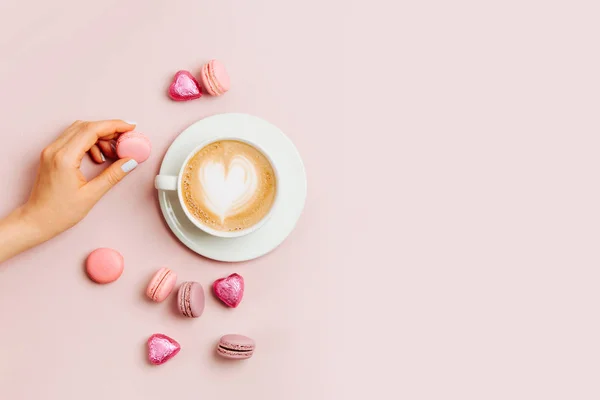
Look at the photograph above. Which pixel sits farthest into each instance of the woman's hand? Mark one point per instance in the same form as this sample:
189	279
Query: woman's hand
61	196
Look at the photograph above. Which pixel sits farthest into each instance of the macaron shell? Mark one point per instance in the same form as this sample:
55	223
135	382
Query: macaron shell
206	82
161	284
134	145
219	76
104	265
191	300
237	341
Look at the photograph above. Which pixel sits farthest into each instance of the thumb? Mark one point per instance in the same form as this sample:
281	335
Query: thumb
110	177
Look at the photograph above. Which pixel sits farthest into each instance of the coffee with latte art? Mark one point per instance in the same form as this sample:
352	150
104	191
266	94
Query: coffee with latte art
228	186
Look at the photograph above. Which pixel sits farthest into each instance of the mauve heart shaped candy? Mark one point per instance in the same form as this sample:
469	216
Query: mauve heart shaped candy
162	348
184	87
229	290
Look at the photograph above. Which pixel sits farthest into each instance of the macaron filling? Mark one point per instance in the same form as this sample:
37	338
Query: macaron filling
234	350
186	304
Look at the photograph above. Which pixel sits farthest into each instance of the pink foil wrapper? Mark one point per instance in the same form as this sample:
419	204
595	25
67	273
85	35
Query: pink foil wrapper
184	87
229	290
162	348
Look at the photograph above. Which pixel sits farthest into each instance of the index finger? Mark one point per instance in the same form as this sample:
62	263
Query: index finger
91	132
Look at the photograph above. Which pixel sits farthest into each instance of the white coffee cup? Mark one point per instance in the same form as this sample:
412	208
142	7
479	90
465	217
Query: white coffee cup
173	183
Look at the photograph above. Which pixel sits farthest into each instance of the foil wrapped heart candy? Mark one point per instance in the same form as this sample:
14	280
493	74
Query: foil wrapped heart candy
229	290
184	87
162	348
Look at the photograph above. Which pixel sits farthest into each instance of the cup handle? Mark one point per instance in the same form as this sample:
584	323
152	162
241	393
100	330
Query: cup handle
165	182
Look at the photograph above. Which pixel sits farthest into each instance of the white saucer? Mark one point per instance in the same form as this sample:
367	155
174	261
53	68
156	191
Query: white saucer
292	187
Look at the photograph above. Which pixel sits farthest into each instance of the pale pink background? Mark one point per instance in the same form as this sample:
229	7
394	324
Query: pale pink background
449	245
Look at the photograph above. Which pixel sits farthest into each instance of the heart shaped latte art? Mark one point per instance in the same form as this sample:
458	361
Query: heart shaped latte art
228	187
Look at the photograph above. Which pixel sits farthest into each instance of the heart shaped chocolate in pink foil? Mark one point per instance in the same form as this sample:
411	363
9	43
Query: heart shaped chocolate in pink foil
229	290
184	87
162	348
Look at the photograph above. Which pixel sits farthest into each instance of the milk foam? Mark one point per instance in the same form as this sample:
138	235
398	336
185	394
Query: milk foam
228	187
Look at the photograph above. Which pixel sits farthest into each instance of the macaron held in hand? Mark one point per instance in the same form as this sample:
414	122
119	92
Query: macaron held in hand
134	145
61	196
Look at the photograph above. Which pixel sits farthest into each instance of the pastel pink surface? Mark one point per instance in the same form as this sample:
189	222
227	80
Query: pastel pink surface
184	87
161	284
452	206
162	348
134	145
229	290
104	265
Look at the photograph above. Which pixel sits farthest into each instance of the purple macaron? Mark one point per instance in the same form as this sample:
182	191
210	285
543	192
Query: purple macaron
190	299
236	347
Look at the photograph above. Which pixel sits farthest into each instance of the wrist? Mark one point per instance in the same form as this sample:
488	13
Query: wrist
30	224
26	227
17	234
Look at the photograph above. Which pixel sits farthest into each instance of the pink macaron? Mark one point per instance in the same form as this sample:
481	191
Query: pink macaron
134	145
215	78
161	284
236	347
190	299
104	265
